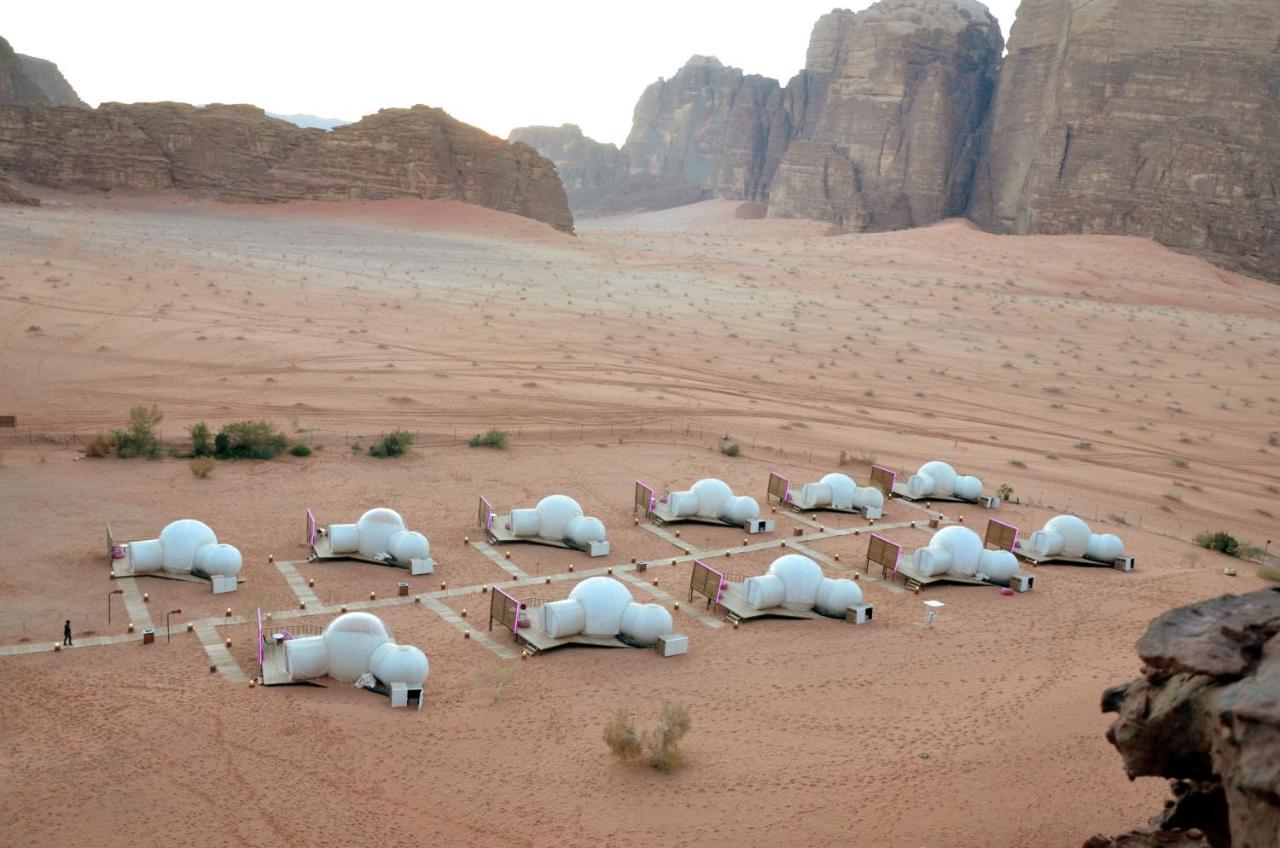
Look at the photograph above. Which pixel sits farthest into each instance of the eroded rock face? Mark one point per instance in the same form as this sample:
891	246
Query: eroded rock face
51	82
1155	118
710	127
237	153
894	141
1206	714
594	174
16	88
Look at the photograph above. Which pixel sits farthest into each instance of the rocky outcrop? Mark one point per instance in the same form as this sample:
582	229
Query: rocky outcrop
595	175
712	128
16	88
1155	118
891	139
51	82
1206	715
238	153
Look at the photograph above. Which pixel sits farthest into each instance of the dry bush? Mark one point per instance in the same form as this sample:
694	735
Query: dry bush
201	466
494	678
659	748
102	444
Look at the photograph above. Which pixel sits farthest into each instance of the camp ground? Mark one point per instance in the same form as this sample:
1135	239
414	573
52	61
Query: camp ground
1067	540
557	521
354	648
707	501
379	537
599	613
185	550
835	492
793	587
955	555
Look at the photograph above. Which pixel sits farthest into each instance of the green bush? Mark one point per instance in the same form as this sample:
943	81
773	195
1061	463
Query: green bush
201	440
1220	541
139	438
250	440
494	438
301	449
394	443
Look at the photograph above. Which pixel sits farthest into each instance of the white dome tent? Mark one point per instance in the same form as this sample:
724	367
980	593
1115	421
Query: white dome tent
356	648
557	521
379	536
938	481
835	492
599	612
708	501
186	549
1068	539
792	587
956	554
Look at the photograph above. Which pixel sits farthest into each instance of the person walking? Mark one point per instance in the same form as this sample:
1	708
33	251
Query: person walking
66	633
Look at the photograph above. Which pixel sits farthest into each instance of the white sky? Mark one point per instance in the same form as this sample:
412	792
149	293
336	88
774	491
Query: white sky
496	64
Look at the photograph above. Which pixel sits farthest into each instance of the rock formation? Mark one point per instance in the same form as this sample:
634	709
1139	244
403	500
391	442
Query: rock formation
1206	715
710	127
894	140
16	88
1155	118
51	82
238	153
594	174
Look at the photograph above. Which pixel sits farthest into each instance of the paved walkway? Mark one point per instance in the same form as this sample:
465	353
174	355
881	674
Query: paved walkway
139	614
219	656
459	622
500	561
297	583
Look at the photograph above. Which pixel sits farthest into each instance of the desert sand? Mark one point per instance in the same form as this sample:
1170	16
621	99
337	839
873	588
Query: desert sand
1107	376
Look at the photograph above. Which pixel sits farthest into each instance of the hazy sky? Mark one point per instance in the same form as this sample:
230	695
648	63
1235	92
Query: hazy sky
494	64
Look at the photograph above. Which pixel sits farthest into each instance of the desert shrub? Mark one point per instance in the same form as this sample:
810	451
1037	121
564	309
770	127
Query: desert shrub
1220	541
139	438
201	466
1005	492
622	737
729	446
300	449
102	444
494	678
394	443
201	440
494	438
249	440
659	748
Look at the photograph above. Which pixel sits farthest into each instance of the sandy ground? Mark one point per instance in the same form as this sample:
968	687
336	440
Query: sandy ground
1107	376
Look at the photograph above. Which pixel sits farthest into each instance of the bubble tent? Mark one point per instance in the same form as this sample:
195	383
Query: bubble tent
1068	540
708	501
557	521
956	554
380	537
186	549
835	492
355	648
599	612
793	586
938	481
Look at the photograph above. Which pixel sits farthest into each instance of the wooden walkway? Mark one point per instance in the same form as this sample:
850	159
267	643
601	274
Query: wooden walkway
461	624
297	583
500	561
219	656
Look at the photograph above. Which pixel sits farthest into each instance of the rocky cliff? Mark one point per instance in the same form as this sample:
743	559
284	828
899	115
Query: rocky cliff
238	153
16	88
1155	118
1206	715
893	140
51	82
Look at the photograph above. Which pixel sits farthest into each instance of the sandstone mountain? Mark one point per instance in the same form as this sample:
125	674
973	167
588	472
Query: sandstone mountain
893	137
1156	118
238	153
51	82
16	88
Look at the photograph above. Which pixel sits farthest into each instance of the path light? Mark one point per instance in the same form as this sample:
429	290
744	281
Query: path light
168	632
228	643
655	581
131	627
837	557
464	612
507	554
146	597
548	581
302	604
571	567
637	521
343	608
466	634
190	627
373	596
466	540
444	585
271	557
676	605
311	583
57	646
228	615
109	594
677	534
212	669
608	571
745	543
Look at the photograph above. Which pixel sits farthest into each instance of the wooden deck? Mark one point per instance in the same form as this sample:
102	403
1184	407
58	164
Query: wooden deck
322	551
661	514
540	641
1061	560
736	608
275	670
